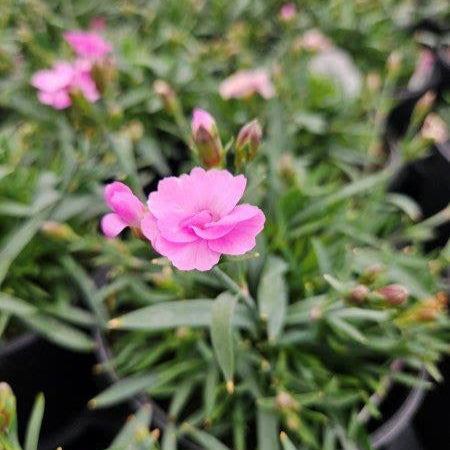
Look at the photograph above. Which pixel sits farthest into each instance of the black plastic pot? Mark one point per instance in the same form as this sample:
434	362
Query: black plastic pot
31	365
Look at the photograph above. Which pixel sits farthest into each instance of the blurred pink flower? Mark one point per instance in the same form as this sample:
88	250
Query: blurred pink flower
315	40
246	83
88	44
288	12
53	85
195	218
127	209
56	84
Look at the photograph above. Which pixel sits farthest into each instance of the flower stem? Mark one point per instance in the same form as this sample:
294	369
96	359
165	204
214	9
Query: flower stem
234	287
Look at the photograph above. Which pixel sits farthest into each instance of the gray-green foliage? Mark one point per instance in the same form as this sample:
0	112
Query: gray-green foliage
299	357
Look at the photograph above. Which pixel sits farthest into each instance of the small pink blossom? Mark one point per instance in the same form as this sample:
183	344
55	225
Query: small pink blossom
288	12
195	218
56	84
246	83
127	209
88	44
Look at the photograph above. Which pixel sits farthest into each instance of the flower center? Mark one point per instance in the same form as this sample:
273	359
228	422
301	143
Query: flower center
199	220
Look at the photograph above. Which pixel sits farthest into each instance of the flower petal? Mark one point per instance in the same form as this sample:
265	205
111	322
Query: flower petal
112	225
215	230
113	188
217	191
128	207
149	228
242	238
188	256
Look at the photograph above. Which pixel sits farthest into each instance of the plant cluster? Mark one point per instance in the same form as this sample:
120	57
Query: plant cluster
266	284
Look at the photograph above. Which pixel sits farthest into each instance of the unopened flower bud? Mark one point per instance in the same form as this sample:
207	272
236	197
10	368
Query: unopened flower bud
288	12
167	95
395	294
58	231
206	138
358	294
394	61
285	401
248	142
373	81
104	72
7	407
434	128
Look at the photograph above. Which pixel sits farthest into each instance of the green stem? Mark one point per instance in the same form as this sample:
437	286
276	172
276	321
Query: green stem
234	287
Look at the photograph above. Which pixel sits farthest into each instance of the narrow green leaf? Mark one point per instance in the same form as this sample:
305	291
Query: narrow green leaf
323	258
126	435
16	306
361	314
181	397
222	333
15	242
34	425
180	313
86	286
169	439
364	184
273	296
59	332
286	442
210	389
406	204
344	328
205	439
127	387
267	429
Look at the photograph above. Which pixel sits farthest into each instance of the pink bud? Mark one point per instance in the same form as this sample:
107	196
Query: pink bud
395	294
202	119
206	138
358	294
248	142
288	12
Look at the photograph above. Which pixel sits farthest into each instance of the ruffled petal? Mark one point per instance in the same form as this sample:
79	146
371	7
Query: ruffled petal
194	255
114	188
216	191
112	225
242	238
215	230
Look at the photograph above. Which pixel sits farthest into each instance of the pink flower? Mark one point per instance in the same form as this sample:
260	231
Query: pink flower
56	84
246	83
127	209
87	44
288	12
195	218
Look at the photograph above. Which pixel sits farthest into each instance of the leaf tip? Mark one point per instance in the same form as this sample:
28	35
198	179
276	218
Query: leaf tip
92	404
230	386
283	436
